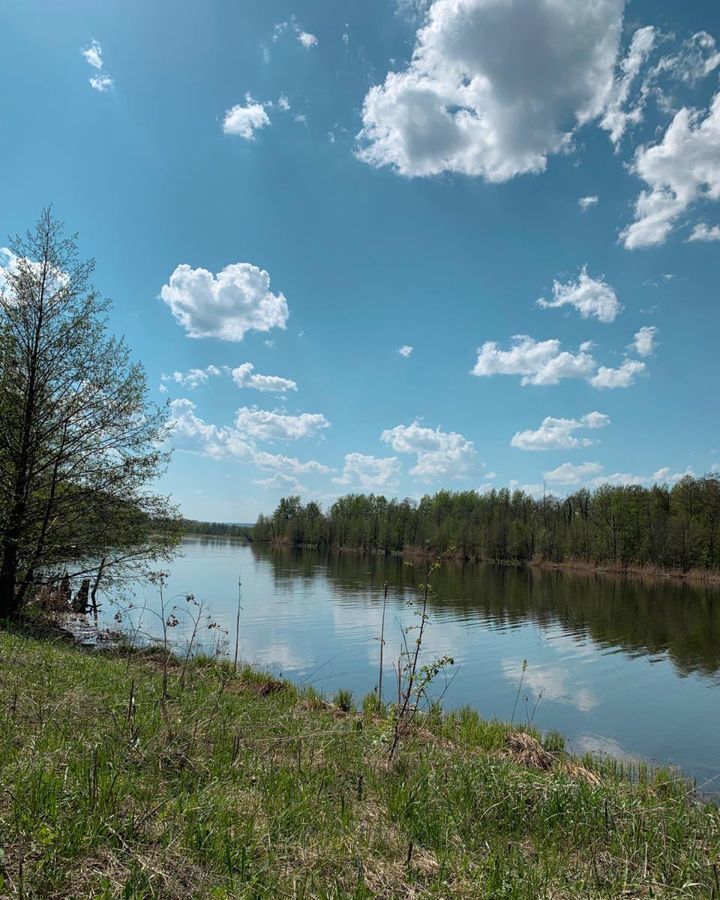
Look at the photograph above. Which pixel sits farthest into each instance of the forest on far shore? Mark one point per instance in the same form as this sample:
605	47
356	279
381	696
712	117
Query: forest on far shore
673	528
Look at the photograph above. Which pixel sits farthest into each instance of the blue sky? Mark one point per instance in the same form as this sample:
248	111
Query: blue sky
283	195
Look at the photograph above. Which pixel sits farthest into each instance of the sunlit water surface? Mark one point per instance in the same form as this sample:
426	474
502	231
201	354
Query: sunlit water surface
619	666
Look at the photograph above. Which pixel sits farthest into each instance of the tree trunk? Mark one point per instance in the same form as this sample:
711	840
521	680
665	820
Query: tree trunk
9	600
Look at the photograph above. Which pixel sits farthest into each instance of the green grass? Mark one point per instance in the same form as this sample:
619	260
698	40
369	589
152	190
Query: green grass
244	787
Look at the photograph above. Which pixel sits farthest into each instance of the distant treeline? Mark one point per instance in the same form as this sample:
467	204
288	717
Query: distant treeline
674	528
225	529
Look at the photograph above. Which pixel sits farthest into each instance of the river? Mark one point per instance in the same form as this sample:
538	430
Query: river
621	666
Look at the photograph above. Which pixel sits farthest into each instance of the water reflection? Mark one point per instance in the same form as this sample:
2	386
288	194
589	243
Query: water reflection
639	616
611	662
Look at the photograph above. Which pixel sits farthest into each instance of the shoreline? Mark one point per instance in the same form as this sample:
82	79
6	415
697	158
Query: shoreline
696	577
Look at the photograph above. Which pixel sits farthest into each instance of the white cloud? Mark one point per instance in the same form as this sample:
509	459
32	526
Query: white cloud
93	55
267	425
617	117
187	431
370	472
8	263
307	40
591	298
552	683
412	7
705	232
193	378
278	30
438	453
281	482
405	350
245	377
284	103
494	87
667	476
622	377
559	434
544	362
619	479
715	468
226	305
586	203
537	362
697	58
244	121
644	340
568	473
680	170
101	83
278	462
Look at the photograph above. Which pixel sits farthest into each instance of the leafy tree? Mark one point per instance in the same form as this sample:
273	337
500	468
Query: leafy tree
79	442
622	526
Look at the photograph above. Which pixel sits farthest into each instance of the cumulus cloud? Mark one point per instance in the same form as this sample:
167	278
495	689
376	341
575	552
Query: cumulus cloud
276	461
591	475
544	362
282	482
493	87
665	475
245	121
586	203
622	377
94	57
188	431
370	472
619	114
568	473
591	298
405	350
101	83
267	425
438	453
193	378
244	376
696	58
303	37
559	434
537	362
307	40
644	340
226	305
8	263
680	170
704	232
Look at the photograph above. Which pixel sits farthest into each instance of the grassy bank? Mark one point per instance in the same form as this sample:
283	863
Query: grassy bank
242	786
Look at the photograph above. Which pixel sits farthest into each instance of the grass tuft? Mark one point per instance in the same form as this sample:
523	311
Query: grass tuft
237	785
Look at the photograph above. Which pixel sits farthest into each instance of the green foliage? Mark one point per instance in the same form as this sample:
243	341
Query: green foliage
674	528
81	441
219	529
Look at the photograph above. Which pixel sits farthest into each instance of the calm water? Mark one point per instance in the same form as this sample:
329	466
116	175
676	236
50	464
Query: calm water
618	666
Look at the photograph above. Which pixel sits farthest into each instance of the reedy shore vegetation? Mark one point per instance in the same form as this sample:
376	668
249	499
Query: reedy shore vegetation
661	528
235	785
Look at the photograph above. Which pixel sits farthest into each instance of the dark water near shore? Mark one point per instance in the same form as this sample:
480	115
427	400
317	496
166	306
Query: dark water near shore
620	666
